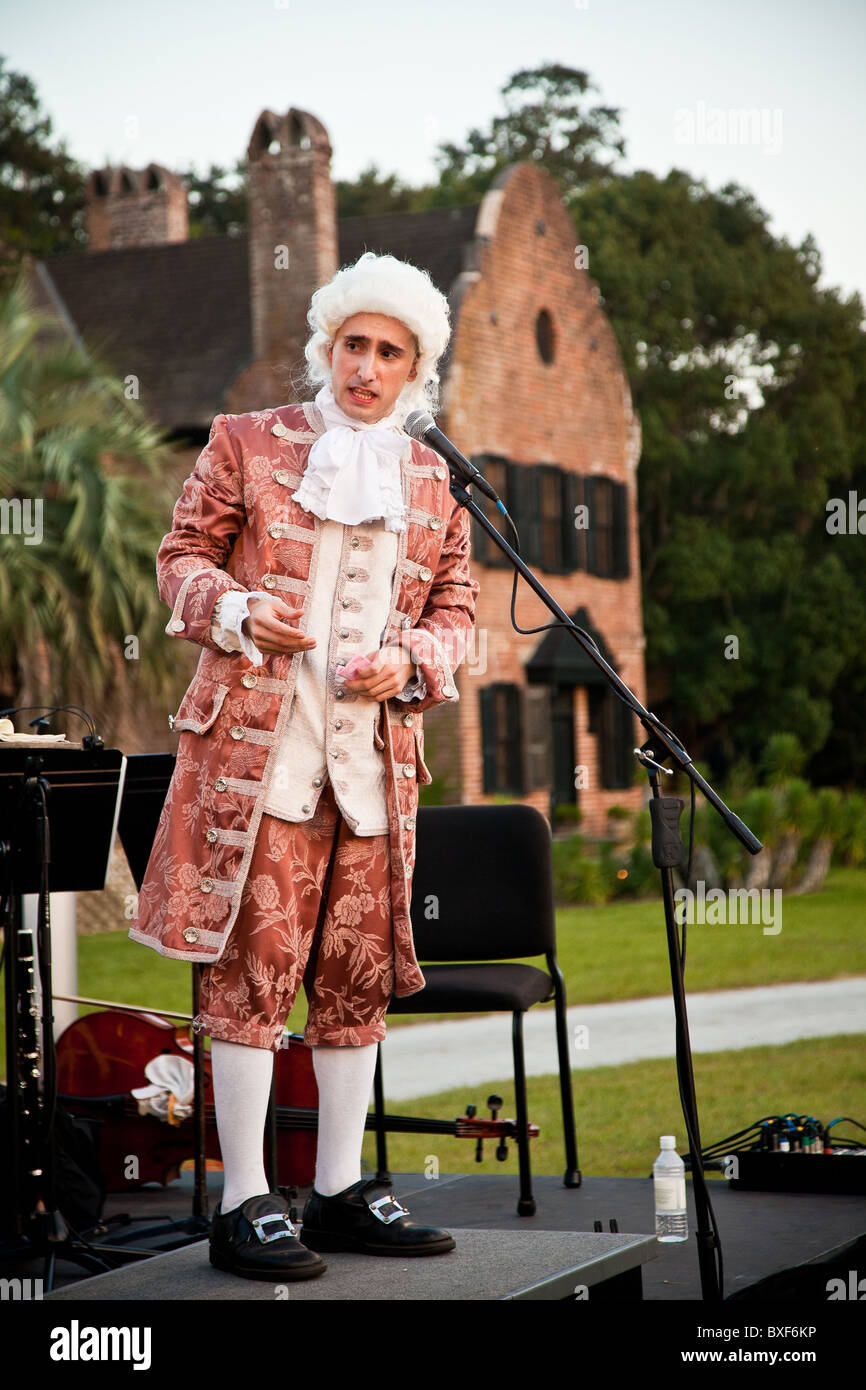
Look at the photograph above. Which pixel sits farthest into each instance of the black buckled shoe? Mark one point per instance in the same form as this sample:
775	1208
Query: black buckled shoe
354	1220
257	1240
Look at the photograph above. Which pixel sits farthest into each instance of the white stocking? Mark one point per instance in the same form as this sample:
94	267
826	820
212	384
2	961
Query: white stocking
344	1076
242	1087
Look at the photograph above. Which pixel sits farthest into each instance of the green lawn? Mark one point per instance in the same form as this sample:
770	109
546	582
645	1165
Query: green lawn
614	952
621	1111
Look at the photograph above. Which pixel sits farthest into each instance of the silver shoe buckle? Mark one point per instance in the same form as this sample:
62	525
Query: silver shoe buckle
382	1202
286	1227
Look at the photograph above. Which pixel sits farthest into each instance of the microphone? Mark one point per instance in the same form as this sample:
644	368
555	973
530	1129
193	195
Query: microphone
421	425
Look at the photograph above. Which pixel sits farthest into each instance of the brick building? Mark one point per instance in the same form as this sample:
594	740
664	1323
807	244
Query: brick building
534	391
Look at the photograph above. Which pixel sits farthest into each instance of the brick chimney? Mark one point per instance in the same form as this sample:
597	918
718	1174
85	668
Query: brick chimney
292	216
135	207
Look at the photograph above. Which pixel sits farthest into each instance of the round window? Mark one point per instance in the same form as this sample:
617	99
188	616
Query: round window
544	336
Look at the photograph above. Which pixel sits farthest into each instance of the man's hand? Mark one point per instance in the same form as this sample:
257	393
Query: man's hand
270	627
384	675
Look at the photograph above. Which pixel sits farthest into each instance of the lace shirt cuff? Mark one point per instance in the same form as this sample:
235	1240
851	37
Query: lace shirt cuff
229	612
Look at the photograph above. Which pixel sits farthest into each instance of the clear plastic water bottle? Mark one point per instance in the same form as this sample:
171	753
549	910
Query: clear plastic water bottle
669	1190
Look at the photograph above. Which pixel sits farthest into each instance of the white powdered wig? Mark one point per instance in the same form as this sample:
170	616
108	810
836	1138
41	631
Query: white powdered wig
383	285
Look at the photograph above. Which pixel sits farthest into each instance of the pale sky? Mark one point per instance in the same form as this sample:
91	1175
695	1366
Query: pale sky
182	83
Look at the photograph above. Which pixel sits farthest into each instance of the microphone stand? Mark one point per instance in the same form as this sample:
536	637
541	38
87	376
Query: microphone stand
667	851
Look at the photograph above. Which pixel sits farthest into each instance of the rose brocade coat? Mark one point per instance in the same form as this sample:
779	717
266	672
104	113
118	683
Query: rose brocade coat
236	526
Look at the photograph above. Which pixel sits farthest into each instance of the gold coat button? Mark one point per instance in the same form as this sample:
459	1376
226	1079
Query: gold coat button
238	731
210	835
177	624
281	476
190	934
425	573
269	581
249	680
408	720
220	785
206	885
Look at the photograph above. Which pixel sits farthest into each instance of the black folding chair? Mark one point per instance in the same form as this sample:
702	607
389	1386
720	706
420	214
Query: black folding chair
490	870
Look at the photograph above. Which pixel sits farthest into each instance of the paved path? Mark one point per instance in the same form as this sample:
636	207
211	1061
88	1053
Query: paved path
422	1058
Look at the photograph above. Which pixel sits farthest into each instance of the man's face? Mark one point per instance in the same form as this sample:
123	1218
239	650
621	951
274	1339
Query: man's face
376	354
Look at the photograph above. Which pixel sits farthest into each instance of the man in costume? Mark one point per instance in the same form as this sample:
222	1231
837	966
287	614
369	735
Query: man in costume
318	558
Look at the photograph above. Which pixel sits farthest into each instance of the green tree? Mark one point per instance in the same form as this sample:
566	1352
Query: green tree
41	185
749	382
83	475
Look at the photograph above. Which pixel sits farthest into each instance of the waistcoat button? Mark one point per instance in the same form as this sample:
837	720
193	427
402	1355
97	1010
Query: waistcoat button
344	632
190	934
306	809
350	574
238	731
220	785
354	542
345	602
317	781
177	625
340	695
269	581
338	724
249	680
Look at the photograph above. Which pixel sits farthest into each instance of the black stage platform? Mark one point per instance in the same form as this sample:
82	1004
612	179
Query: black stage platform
762	1233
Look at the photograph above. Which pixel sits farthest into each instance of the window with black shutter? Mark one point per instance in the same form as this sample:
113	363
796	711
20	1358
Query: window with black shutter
620	531
502	739
484	550
617	742
538	772
549	480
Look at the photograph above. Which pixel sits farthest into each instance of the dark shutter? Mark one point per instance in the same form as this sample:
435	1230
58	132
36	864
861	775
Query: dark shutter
620	531
537	743
524	509
488	737
590	533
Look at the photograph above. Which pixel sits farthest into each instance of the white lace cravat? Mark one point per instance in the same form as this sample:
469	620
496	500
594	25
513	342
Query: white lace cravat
353	469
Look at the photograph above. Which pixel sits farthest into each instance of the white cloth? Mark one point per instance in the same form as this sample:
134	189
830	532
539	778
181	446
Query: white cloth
170	1095
353	469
